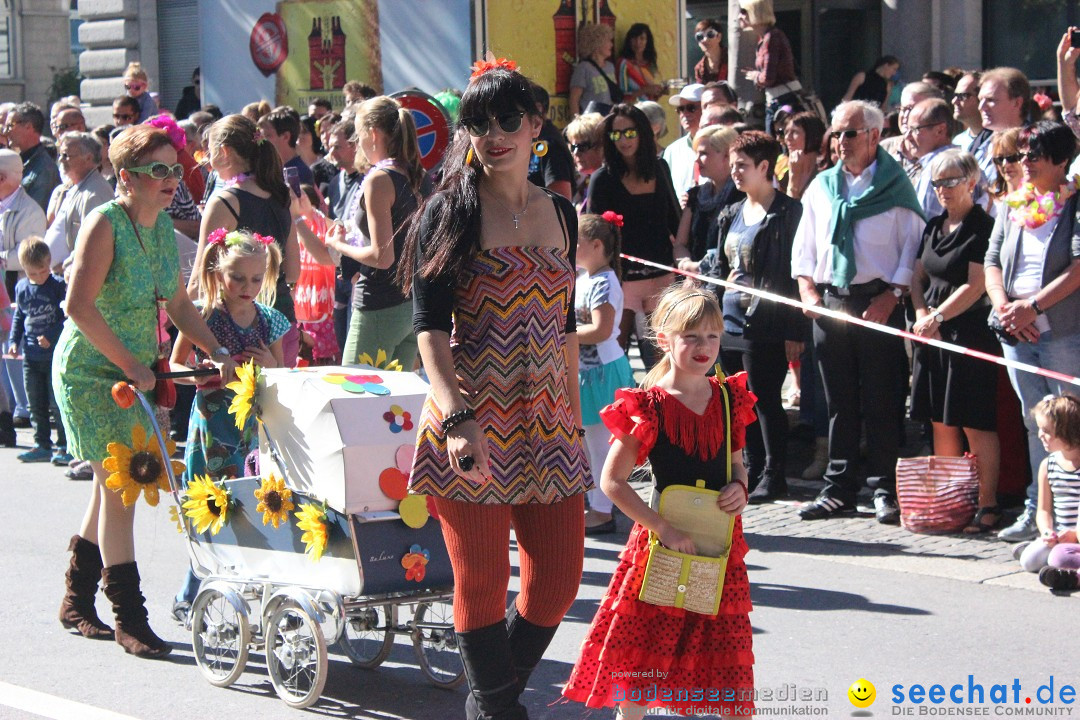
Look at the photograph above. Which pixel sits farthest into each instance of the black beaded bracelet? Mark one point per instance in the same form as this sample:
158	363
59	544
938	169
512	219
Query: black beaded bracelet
452	420
580	432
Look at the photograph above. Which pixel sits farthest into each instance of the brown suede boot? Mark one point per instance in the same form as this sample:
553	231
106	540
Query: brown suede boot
132	630
77	610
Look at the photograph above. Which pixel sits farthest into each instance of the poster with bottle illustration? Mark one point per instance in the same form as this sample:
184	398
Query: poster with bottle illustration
330	43
541	36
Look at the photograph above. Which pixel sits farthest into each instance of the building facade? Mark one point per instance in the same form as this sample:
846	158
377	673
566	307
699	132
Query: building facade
30	56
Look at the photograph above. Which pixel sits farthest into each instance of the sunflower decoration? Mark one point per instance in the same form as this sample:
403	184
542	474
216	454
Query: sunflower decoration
275	501
312	520
207	504
177	521
380	361
139	469
245	386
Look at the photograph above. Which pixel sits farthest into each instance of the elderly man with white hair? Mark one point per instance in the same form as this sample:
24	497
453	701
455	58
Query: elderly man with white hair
86	188
855	252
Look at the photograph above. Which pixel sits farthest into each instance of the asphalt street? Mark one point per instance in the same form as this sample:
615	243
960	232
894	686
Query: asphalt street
830	609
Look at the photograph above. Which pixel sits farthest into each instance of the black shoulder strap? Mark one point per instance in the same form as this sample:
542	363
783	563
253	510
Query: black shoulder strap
230	207
561	212
614	89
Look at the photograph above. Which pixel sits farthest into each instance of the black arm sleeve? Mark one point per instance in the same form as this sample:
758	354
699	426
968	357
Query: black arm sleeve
566	209
665	184
433	297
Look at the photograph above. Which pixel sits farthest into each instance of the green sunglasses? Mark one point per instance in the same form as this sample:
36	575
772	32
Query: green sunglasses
160	170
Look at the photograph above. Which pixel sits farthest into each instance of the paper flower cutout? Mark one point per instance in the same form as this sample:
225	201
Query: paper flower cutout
245	386
399	419
275	501
379	361
312	520
358	384
207	504
415	563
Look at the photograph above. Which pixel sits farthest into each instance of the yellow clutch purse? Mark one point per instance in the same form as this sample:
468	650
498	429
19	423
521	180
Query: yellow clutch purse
691	582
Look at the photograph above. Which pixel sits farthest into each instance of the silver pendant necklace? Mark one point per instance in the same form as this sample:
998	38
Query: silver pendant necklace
515	215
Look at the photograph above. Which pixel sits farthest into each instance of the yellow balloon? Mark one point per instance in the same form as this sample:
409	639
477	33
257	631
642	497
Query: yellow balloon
862	693
413	511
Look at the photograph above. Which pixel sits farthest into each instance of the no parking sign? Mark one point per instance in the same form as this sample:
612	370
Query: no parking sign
432	127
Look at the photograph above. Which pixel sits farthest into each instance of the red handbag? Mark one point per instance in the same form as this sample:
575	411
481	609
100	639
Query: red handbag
937	494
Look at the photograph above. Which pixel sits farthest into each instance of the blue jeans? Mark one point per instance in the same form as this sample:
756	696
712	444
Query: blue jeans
37	376
1049	353
14	372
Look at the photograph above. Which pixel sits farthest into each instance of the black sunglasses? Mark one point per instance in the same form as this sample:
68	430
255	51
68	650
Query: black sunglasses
1000	160
847	134
581	147
963	96
479	127
706	35
1030	156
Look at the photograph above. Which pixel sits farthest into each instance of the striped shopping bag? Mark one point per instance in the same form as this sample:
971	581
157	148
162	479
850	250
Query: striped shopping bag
937	494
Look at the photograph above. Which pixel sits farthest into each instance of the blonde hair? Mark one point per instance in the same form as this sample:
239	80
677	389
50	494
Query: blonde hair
591	37
717	137
1062	412
217	257
396	122
254	111
587	127
135	71
759	12
34	252
680	309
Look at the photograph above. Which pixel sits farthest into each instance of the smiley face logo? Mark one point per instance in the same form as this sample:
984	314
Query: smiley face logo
862	693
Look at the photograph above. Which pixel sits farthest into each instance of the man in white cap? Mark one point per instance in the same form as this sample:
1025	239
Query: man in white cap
680	155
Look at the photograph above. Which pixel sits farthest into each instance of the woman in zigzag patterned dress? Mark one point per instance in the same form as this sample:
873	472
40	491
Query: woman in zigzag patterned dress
491	267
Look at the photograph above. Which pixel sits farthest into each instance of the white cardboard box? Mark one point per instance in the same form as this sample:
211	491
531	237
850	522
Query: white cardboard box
336	443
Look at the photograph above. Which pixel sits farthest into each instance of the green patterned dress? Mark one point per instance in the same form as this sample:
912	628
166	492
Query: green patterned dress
82	376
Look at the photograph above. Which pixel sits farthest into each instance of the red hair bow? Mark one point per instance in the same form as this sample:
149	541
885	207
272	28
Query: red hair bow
217	237
1043	101
482	66
613	217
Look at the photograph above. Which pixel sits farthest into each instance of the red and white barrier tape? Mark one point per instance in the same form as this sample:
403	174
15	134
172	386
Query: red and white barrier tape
844	317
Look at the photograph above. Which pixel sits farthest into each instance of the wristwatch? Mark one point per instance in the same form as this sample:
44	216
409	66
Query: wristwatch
1035	306
221	352
897	292
939	318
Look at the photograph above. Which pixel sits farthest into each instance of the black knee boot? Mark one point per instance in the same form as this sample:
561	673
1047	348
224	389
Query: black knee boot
773	486
489	667
527	644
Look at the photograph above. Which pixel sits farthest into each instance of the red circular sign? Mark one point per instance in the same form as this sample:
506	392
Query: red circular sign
269	43
432	127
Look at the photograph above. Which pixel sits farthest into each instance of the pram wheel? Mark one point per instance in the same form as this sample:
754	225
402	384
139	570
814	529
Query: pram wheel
296	655
436	644
220	634
367	638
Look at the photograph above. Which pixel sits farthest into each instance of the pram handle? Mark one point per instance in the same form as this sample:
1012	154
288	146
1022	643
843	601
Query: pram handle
197	372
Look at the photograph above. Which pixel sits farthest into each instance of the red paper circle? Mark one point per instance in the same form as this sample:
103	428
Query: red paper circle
394	483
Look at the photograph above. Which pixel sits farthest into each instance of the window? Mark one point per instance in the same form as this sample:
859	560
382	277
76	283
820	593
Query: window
7	39
76	21
1008	38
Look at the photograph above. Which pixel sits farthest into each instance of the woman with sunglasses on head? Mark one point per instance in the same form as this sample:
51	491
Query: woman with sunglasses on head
125	271
490	264
949	295
1032	273
774	62
636	66
256	199
636	184
712	67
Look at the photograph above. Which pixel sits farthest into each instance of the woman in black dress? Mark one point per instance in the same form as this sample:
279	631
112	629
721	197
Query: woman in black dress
636	184
949	295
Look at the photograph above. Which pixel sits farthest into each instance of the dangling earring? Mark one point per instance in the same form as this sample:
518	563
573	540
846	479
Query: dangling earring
539	148
469	157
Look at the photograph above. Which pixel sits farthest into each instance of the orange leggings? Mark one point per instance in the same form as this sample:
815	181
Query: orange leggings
551	546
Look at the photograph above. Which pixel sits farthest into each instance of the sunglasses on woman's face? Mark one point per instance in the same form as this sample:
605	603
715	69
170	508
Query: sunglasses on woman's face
706	35
1000	160
160	170
949	182
581	147
1030	156
628	133
479	127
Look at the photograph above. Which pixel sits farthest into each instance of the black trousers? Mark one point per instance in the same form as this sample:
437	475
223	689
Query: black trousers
863	372
766	366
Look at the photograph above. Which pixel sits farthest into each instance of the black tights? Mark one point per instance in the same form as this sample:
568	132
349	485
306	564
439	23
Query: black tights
766	366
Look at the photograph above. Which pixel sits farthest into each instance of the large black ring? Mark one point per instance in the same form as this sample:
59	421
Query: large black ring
466	462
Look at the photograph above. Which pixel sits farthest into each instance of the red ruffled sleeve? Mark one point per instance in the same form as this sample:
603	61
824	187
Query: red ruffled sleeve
632	415
742	408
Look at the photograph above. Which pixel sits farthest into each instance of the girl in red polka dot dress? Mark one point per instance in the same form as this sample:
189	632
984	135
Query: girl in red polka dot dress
638	656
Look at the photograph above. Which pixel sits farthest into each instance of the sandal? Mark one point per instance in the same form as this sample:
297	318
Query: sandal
980	525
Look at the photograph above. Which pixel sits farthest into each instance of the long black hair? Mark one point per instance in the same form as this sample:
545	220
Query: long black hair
650	47
454	208
645	157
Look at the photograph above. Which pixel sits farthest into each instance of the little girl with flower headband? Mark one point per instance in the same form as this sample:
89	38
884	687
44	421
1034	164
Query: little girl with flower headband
236	268
602	365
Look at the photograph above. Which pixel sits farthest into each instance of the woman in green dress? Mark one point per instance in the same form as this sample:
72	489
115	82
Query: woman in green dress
125	269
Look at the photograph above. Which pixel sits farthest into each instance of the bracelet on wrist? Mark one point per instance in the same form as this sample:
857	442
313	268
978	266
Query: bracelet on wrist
580	431
1035	306
452	420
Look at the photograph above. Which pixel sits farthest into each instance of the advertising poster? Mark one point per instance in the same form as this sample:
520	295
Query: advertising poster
541	36
330	43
